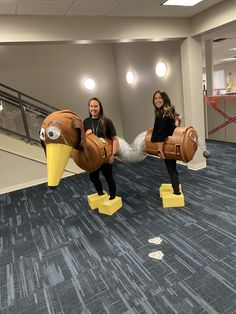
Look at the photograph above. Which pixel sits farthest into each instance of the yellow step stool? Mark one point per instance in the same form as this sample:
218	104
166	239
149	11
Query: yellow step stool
95	200
167	188
172	200
109	207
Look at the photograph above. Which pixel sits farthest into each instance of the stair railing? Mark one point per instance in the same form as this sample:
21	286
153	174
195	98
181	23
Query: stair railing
22	115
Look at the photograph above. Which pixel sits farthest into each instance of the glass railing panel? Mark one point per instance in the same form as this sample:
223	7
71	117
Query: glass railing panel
11	118
34	121
21	114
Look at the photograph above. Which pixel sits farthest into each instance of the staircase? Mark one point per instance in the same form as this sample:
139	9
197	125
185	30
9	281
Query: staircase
23	162
21	115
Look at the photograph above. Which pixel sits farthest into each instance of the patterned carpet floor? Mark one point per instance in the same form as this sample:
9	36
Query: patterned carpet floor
58	256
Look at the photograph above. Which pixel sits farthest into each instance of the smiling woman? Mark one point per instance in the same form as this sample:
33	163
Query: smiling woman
102	127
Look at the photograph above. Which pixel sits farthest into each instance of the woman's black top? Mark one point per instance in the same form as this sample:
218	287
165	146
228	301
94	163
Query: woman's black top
163	127
95	125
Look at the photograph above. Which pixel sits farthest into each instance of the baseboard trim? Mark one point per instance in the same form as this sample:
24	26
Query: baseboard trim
28	184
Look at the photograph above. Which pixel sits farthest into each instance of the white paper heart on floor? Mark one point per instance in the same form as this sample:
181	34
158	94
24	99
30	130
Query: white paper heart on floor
156	240
157	255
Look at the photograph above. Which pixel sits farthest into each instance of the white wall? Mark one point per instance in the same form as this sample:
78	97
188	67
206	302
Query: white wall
20	172
54	74
28	29
136	100
23	165
218	15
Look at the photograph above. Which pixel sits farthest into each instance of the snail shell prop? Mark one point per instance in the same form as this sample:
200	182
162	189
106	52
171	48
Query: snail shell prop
62	136
98	152
181	145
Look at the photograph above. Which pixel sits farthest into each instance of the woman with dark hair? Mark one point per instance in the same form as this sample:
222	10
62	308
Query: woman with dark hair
166	120
102	127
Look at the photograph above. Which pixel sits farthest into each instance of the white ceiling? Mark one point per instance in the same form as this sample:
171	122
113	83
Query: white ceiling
125	8
144	8
221	49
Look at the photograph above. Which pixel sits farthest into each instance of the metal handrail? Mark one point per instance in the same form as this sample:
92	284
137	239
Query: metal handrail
14	98
28	96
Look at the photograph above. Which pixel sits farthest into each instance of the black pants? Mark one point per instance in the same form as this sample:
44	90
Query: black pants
172	171
106	170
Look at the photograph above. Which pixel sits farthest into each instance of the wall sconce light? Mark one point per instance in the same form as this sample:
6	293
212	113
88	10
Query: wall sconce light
130	77
89	84
161	69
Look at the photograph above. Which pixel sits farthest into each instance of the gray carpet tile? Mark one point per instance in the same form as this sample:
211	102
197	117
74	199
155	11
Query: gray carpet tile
58	256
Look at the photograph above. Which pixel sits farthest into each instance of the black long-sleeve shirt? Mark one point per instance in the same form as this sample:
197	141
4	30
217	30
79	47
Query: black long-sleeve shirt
163	127
96	127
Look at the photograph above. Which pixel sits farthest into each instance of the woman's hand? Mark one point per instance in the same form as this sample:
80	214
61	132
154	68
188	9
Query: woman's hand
178	120
115	149
160	153
111	159
88	132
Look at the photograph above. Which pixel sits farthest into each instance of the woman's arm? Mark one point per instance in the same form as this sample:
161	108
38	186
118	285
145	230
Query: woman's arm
159	133
115	149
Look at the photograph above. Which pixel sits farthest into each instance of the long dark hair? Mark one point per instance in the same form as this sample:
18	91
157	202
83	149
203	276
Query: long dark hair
167	109
101	114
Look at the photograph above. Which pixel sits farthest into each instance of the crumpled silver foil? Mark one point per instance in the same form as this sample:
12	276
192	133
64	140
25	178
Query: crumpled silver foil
132	153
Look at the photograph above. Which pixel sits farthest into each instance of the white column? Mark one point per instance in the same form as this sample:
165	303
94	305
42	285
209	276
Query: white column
209	67
191	63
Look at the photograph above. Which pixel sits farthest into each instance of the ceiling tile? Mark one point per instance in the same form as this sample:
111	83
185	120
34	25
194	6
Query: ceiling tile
43	7
90	9
8	7
98	2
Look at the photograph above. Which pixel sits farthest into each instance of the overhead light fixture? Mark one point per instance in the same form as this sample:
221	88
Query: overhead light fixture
232	49
218	40
229	59
130	77
89	84
161	69
1	105
187	3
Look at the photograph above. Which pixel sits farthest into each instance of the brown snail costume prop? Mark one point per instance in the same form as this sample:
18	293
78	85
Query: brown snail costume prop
62	136
182	145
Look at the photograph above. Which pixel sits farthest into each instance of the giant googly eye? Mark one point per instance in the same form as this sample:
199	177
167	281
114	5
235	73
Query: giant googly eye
42	134
53	133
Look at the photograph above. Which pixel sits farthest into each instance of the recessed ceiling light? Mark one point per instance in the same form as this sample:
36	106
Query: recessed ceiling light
181	2
232	49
